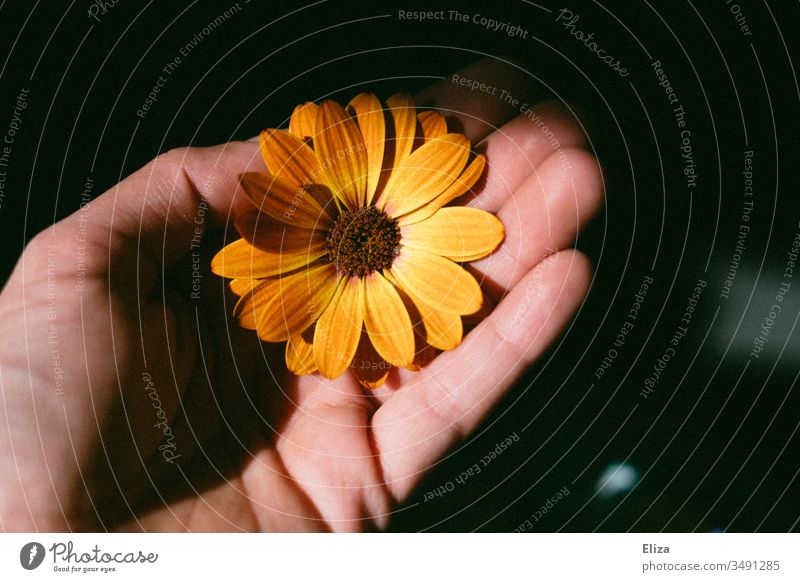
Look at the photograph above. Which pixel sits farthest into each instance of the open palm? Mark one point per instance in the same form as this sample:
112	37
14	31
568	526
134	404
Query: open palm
133	401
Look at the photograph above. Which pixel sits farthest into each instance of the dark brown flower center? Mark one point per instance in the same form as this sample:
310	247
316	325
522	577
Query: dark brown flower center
362	241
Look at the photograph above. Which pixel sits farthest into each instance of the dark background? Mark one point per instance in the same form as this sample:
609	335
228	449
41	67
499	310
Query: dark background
715	445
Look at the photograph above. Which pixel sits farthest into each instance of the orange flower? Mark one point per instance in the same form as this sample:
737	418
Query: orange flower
351	250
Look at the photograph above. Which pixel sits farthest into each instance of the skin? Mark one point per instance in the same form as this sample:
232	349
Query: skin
253	447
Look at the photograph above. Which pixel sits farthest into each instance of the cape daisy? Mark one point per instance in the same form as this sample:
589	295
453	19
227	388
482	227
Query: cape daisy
350	250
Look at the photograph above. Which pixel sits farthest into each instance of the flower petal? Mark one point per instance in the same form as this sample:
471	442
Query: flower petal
369	114
269	235
286	202
387	321
289	157
368	365
432	123
244	309
459	187
437	281
241	260
464	182
458	233
425	174
441	329
340	151
300	355
288	305
303	118
242	286
339	328
404	115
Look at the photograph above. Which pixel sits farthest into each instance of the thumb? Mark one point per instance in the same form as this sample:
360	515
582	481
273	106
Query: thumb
153	217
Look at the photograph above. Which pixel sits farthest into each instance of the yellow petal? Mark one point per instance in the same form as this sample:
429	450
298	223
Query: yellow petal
441	329
242	286
387	321
285	201
339	328
300	355
432	123
289	157
404	116
437	281
369	115
368	366
288	305
461	186
425	174
242	260
341	153
302	122
458	233
244	310
271	236
464	182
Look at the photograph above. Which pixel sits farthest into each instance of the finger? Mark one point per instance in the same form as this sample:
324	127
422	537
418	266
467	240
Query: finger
545	214
515	150
473	98
263	498
324	448
420	423
154	216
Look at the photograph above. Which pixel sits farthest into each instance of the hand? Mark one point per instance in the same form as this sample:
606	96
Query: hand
132	400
